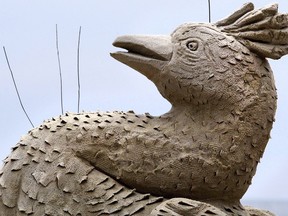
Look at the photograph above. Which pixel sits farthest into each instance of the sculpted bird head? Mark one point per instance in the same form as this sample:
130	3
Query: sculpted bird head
202	63
185	65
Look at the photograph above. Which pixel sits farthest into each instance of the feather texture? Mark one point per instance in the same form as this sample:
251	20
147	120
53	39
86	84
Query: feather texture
264	30
197	159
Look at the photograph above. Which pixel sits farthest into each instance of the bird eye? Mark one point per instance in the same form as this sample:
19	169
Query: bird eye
192	45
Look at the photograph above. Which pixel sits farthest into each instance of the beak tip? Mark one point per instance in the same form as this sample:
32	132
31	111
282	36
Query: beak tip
122	40
114	55
115	43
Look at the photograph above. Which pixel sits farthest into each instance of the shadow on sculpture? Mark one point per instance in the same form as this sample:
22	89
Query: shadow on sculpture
197	159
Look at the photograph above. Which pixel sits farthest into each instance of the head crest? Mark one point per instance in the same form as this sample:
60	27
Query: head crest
264	31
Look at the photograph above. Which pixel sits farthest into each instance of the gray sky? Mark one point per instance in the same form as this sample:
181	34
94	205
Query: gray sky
27	29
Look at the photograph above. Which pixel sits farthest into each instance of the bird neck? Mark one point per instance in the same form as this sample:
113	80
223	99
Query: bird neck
239	125
200	114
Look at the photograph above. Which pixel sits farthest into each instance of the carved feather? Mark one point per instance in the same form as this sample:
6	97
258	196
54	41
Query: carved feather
264	31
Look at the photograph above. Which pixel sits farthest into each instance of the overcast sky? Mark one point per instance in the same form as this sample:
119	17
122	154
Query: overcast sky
27	30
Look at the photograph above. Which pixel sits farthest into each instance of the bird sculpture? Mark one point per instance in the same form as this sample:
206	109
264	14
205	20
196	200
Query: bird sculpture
197	159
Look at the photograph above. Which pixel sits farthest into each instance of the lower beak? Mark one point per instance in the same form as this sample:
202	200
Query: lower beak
146	54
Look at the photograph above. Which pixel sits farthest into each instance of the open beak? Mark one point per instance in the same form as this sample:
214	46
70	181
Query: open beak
146	54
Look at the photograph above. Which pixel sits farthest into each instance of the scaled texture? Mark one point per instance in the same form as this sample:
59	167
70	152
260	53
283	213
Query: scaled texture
197	159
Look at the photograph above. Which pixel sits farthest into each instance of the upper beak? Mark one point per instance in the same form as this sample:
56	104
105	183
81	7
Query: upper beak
146	54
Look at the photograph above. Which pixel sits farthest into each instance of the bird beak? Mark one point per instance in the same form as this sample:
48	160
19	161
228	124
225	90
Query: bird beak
146	54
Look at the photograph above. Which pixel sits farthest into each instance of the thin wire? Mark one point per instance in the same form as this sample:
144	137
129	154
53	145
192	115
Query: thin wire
60	71
15	85
78	68
209	7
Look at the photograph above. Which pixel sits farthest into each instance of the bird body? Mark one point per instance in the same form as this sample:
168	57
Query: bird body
50	176
218	97
201	155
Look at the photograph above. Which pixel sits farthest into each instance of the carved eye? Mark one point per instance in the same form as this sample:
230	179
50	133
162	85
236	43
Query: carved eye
192	45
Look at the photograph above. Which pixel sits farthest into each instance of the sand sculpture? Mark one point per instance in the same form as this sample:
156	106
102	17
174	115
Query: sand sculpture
197	159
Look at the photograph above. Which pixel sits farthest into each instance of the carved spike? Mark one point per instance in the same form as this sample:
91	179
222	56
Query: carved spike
273	37
255	16
236	15
279	21
83	179
17	165
252	17
267	50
